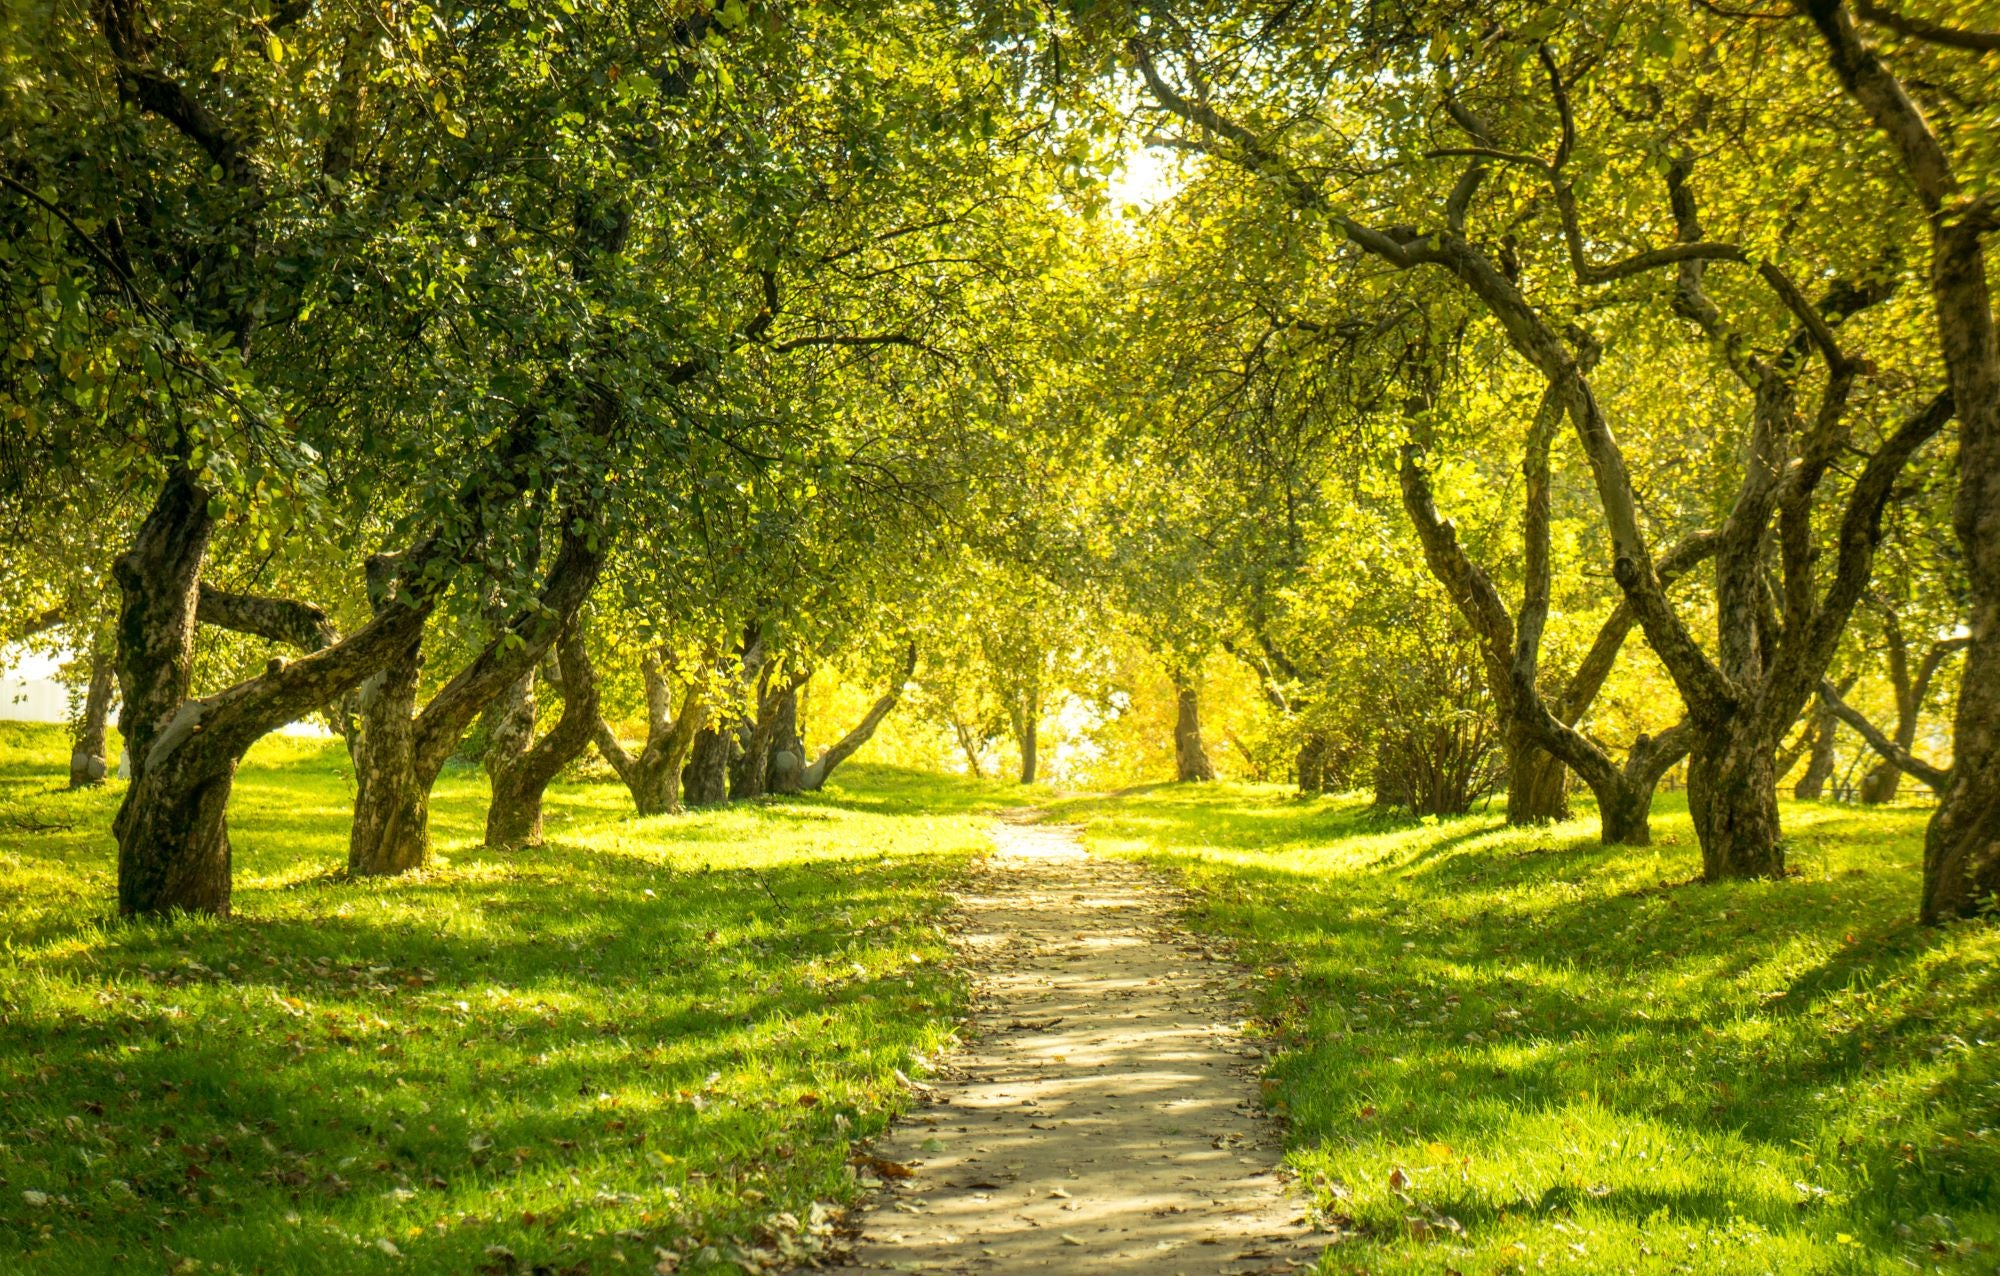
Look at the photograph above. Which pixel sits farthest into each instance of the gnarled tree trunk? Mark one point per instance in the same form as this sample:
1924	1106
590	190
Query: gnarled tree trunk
653	775
522	775
390	831
400	755
1191	761
177	856
814	776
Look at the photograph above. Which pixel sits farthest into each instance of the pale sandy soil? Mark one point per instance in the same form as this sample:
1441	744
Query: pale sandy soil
1103	1115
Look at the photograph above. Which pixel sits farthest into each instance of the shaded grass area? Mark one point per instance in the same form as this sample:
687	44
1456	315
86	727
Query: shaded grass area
653	1033
1514	1050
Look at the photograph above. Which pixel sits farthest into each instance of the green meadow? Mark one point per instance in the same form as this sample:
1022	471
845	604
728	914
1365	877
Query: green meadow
1510	1050
653	1039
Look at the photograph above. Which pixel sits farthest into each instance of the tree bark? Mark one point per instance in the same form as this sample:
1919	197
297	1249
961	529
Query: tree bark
1313	749
653	775
514	817
787	764
390	830
401	755
1811	786
1191	762
1537	780
707	778
1962	845
752	773
1028	732
814	776
88	764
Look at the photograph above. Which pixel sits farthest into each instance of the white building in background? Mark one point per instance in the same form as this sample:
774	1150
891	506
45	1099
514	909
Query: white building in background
29	691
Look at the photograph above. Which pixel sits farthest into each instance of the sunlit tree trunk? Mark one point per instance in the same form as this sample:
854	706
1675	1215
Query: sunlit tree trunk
1962	845
1811	786
1191	762
88	764
514	817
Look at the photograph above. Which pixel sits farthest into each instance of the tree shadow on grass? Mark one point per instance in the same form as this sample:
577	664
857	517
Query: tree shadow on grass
1479	990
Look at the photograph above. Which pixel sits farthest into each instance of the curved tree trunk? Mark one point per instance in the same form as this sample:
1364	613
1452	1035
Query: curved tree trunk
173	855
1191	761
814	777
1962	845
654	775
514	817
400	755
1811	786
87	761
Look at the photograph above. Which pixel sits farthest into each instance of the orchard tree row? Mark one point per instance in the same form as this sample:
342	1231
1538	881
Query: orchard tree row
1542	397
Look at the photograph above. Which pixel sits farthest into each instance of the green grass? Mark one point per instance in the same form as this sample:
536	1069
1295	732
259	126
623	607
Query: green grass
650	1034
1516	1051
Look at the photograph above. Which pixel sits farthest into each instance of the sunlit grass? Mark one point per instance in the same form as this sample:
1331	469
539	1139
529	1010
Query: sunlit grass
652	1033
1513	1050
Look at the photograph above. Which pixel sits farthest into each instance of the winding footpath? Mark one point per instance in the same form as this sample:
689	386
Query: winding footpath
1102	1116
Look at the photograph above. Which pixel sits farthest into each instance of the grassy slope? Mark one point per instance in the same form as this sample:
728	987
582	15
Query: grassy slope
653	1032
1517	1051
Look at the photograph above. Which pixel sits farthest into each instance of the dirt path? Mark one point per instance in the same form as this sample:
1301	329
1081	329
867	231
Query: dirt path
1103	1116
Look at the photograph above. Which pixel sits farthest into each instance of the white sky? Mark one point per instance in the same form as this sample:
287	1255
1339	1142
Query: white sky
1144	177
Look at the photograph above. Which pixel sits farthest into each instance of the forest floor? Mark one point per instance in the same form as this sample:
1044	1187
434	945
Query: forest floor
1104	1116
1513	1050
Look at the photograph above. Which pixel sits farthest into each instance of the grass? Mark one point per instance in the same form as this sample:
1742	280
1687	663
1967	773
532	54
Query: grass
1516	1051
652	1038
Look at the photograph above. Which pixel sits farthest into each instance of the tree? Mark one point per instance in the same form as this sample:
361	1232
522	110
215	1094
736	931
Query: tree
1961	851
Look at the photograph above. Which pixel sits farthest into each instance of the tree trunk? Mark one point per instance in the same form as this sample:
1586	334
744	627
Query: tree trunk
750	777
1819	762
1029	729
87	764
1624	815
787	761
514	817
1190	755
1537	780
707	779
396	770
173	852
391	829
159	581
814	777
1312	763
1733	798
654	776
510	727
1962	845
968	743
